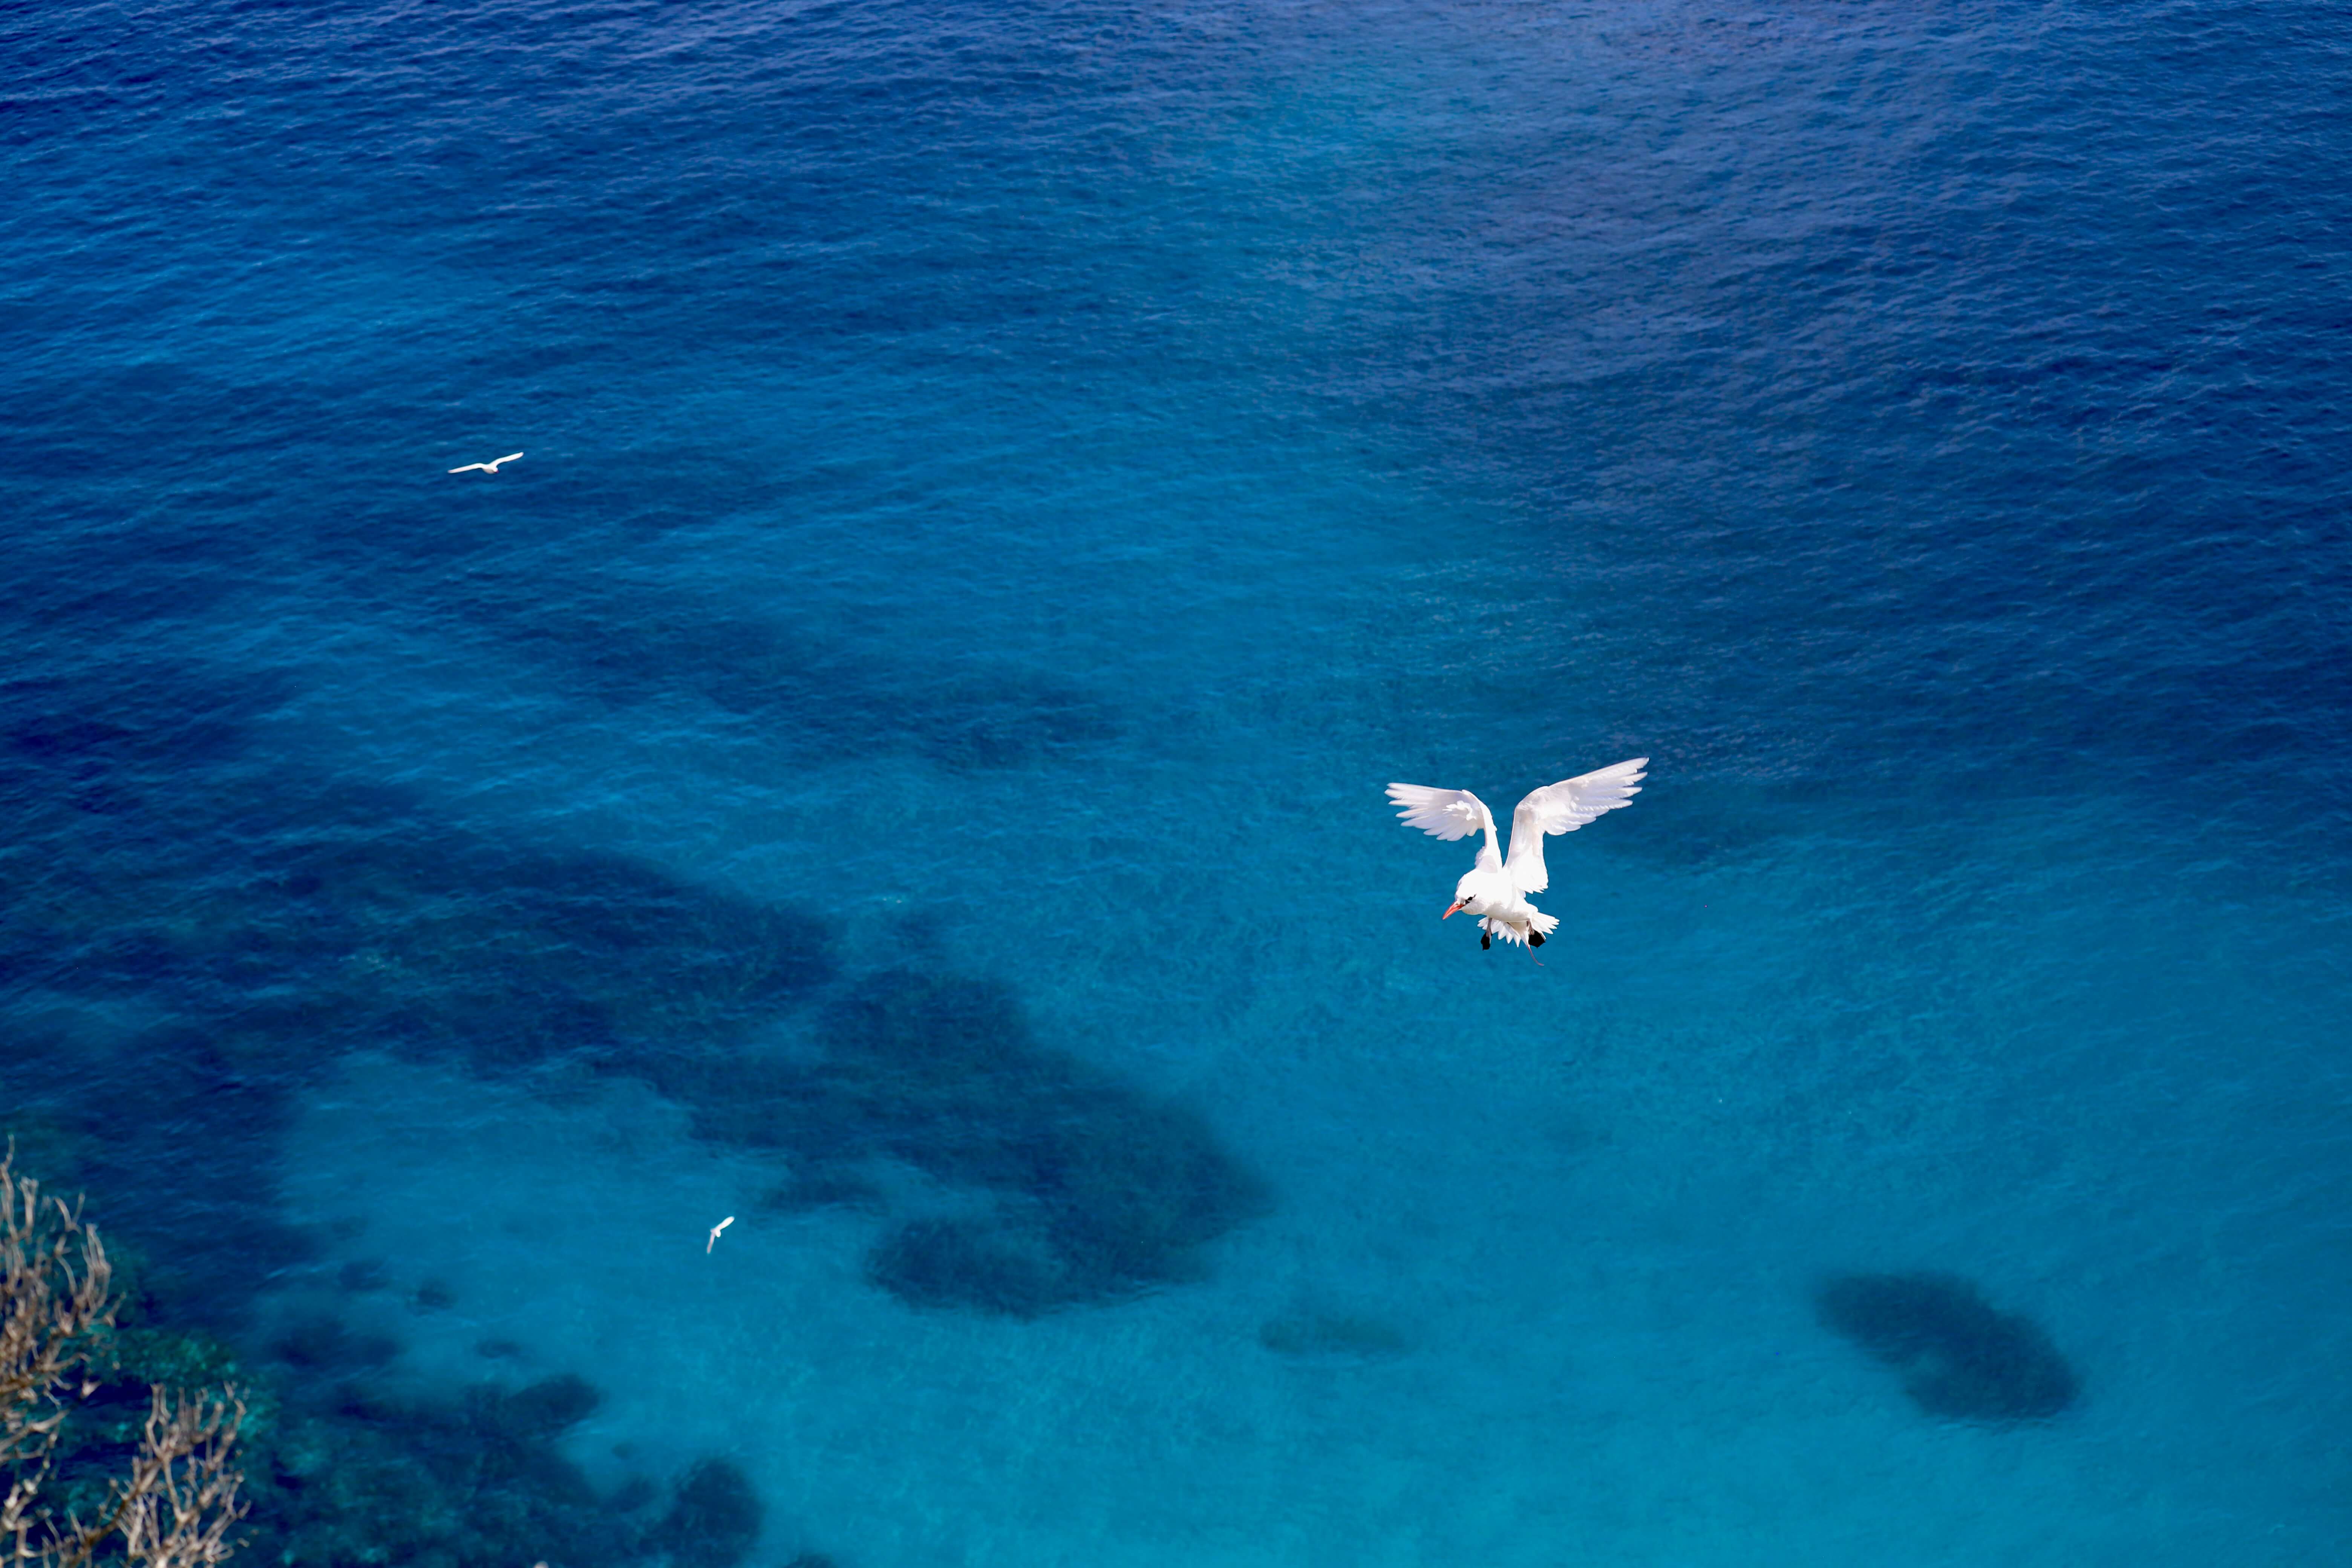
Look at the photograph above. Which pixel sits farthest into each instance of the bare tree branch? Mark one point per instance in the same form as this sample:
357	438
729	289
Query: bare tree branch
176	1506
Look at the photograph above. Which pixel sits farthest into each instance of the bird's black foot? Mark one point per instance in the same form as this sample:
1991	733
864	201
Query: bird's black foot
1535	939
1486	941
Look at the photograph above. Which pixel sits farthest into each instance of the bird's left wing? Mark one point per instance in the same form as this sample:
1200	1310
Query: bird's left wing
1448	814
1564	807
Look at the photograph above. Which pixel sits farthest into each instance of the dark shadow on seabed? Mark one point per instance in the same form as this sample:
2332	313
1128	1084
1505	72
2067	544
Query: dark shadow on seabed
1958	1358
195	933
622	642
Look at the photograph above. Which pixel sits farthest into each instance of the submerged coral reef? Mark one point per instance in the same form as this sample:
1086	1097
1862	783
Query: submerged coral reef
626	642
351	918
1957	1356
477	1482
1311	1333
1099	1191
1118	1189
200	929
335	1472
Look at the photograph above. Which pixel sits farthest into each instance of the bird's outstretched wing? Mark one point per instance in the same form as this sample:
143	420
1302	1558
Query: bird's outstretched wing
1564	807
510	458
1448	814
469	467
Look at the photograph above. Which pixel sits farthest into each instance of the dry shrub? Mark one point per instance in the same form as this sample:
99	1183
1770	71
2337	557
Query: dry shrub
177	1502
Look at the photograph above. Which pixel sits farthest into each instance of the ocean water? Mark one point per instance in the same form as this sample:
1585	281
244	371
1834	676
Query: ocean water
899	760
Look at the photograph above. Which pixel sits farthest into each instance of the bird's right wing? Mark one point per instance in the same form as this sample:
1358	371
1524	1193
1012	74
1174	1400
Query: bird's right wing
1564	807
1448	814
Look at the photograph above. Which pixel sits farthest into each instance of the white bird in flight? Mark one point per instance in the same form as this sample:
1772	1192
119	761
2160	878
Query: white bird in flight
715	1229
488	467
1497	889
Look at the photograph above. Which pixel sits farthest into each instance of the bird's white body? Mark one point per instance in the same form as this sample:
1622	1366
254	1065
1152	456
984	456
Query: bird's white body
1496	889
489	467
1501	909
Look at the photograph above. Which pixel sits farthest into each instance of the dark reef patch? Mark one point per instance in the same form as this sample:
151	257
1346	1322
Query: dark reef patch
326	1345
337	1474
1103	1192
446	944
826	696
539	1412
714	1521
279	920
1012	1272
1957	1356
1312	1334
162	1129
290	916
358	1477
347	922
824	1187
177	967
199	931
362	1274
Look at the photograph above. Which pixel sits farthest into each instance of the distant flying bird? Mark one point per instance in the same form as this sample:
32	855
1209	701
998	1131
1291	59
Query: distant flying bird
715	1229
489	467
1496	889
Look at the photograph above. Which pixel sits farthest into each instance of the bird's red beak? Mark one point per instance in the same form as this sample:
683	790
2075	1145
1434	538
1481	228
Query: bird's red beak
1449	914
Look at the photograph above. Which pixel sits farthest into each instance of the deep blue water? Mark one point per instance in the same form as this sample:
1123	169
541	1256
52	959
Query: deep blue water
899	758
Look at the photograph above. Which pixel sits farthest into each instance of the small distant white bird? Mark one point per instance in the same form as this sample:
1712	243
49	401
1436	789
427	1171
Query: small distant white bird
488	467
715	1229
1496	889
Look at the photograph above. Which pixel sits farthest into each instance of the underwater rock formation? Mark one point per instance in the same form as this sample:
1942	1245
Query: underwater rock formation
824	696
538	1413
199	932
1015	1272
257	922
1313	1335
478	1483
286	916
278	919
327	1345
1103	1192
1957	1356
714	1521
446	944
337	1473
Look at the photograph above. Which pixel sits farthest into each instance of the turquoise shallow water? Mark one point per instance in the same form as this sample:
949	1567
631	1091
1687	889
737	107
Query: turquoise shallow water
900	760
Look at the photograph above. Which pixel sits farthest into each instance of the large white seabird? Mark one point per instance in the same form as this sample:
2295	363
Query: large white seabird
1497	889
